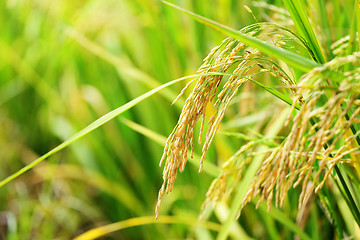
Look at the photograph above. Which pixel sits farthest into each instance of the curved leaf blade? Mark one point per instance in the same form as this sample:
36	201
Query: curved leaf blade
94	125
294	60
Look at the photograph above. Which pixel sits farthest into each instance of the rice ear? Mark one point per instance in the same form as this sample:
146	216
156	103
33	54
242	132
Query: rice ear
231	54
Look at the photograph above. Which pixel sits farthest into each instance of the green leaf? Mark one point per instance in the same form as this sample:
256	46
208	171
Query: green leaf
284	220
276	93
141	221
294	60
301	21
358	22
99	122
249	175
208	167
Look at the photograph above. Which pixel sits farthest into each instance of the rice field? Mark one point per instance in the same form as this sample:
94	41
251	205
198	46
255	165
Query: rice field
179	120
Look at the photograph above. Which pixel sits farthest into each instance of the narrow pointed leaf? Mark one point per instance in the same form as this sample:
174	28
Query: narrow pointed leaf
99	122
301	20
294	60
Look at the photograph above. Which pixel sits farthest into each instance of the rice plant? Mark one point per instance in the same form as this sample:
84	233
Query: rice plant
324	131
269	119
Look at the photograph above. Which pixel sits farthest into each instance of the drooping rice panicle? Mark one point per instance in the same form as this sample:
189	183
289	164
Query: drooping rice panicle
316	130
230	53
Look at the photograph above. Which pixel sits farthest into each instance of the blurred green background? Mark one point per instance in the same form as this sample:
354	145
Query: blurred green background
63	64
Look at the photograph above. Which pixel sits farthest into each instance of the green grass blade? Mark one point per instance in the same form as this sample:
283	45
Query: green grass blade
240	195
249	175
348	196
269	225
208	167
337	14
271	90
140	221
284	220
276	93
123	67
314	223
296	61
358	22
321	8
297	12
94	179
236	230
353	30
97	123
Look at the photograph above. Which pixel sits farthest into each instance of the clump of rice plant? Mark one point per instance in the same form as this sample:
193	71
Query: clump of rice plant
322	126
320	136
245	63
277	107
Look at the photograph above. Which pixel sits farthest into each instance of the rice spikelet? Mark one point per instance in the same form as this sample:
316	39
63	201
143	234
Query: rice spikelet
248	63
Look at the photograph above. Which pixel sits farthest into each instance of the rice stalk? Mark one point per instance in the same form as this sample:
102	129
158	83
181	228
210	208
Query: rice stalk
245	63
294	163
320	137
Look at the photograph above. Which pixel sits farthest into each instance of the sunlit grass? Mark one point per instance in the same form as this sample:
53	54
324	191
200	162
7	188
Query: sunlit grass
66	64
